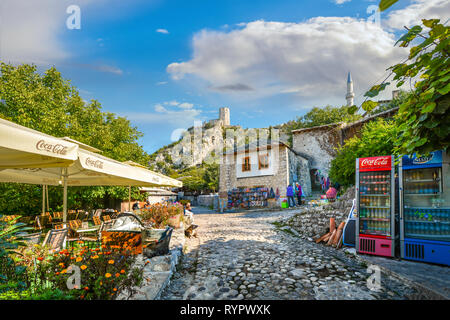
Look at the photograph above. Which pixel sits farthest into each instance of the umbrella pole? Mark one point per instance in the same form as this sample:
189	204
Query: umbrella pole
65	195
64	174
46	195
43	199
129	198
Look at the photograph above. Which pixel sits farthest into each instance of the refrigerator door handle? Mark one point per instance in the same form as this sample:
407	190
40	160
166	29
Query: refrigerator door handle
401	202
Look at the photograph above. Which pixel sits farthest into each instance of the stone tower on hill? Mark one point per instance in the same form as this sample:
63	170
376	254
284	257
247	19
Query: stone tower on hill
224	115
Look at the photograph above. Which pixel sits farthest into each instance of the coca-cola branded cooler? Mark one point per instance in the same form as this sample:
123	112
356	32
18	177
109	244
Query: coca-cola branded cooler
375	205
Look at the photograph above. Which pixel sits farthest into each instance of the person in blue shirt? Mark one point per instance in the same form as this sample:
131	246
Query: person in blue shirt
290	195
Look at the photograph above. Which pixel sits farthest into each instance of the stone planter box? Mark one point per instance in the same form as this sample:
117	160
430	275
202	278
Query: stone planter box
156	241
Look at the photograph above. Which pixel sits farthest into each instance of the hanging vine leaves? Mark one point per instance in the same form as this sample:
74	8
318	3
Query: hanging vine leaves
423	119
384	4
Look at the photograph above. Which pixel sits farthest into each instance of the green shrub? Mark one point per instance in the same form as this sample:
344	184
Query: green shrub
377	139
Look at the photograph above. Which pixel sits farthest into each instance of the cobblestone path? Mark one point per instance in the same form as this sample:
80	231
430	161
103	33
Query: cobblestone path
245	256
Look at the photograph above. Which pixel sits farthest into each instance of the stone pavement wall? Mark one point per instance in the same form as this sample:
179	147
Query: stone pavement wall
315	221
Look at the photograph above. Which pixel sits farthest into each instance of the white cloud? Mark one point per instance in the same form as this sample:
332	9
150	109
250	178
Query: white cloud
161	83
420	9
31	31
185	105
172	103
109	69
341	1
309	59
159	108
182	105
176	118
162	31
36	32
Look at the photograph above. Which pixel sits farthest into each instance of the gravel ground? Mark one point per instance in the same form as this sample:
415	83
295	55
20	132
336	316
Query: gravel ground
245	256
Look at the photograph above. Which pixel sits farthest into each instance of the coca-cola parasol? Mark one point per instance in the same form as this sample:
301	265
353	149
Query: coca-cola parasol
66	162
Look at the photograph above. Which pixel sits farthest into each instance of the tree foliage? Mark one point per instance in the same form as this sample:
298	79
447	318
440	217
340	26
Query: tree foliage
50	104
377	138
321	116
423	118
198	179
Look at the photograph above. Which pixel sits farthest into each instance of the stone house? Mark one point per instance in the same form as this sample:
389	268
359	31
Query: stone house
318	145
272	165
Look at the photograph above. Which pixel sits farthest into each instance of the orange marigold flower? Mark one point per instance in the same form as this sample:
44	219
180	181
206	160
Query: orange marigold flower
111	261
117	274
40	258
115	289
64	271
108	275
79	259
86	288
61	265
83	267
122	271
57	273
94	257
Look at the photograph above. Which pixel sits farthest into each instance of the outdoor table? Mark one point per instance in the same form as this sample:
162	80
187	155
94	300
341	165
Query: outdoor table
88	230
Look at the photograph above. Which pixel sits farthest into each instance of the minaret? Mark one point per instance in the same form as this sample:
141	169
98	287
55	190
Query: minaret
350	95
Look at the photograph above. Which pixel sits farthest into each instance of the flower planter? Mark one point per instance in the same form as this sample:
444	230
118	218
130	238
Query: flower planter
174	221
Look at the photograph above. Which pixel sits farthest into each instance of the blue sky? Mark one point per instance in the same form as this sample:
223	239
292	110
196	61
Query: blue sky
164	64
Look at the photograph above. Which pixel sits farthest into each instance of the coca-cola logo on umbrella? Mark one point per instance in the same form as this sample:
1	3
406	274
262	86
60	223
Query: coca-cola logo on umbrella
54	148
94	163
375	162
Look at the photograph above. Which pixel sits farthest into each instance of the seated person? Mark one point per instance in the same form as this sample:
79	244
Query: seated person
188	212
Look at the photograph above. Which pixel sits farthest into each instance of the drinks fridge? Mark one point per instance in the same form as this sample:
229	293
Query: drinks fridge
425	208
375	197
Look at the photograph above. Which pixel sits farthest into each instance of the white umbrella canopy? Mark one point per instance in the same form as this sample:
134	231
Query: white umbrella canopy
28	156
22	147
90	169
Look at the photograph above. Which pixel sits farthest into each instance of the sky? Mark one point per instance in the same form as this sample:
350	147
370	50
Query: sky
165	64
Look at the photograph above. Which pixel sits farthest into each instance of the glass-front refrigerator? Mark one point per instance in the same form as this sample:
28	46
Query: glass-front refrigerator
425	208
375	197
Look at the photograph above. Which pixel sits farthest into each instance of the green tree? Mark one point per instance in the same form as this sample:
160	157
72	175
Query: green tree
50	104
321	116
423	119
377	138
394	103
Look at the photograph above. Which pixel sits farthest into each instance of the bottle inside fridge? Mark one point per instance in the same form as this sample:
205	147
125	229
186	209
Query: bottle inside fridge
375	203
426	215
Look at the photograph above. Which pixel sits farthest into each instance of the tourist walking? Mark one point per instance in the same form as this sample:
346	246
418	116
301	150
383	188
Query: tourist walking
299	192
290	195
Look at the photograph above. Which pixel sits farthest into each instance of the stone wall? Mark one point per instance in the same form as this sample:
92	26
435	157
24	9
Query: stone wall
207	200
318	146
299	172
228	180
315	221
